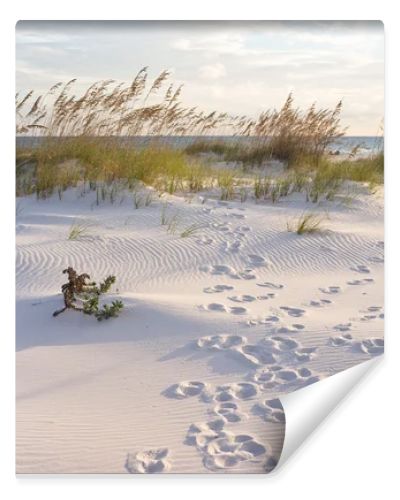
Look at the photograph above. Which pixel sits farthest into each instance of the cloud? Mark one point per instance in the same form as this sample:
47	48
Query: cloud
319	61
223	43
212	71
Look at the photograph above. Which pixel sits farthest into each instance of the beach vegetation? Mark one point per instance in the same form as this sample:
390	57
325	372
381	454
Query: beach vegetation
190	230
81	295
306	223
117	136
78	230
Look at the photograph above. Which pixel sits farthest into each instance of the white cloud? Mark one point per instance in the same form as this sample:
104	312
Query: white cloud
212	71
223	43
320	61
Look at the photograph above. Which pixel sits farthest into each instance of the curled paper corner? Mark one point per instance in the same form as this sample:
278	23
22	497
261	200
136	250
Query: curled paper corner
306	408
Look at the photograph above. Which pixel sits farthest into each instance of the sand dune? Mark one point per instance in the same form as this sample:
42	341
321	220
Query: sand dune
215	327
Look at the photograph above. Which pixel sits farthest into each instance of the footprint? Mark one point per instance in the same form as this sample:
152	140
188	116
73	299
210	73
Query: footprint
341	340
276	349
305	353
221	342
148	462
361	268
257	355
299	353
264	376
270	319
242	298
267	296
289	329
285	344
374	308
185	390
217	288
320	303
218	269
268	284
222	226
368	317
251	322
372	346
365	281
271	410
279	378
303	375
233	247
201	434
257	260
270	464
229	450
238	310
230	412
331	290
343	327
215	306
239	390
293	311
246	274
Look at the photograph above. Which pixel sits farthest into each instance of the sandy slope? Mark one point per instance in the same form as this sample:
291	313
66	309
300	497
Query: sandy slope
182	380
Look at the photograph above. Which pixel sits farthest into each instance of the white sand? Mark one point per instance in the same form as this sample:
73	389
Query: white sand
182	380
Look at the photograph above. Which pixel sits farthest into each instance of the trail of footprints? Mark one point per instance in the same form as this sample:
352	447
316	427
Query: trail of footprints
275	362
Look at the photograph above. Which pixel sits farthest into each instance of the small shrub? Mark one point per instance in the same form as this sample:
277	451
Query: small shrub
78	290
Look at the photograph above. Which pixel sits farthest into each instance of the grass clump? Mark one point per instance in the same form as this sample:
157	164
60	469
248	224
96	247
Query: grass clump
262	186
169	220
307	223
226	182
78	230
191	230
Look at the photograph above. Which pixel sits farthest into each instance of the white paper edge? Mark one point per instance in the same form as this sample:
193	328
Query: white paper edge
306	408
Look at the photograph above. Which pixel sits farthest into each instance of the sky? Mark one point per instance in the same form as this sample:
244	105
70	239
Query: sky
234	67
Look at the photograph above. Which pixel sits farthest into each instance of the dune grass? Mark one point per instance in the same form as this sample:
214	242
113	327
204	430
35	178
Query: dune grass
116	136
78	230
190	230
306	223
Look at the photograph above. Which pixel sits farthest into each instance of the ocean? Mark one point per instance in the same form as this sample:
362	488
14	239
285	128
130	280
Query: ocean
365	145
